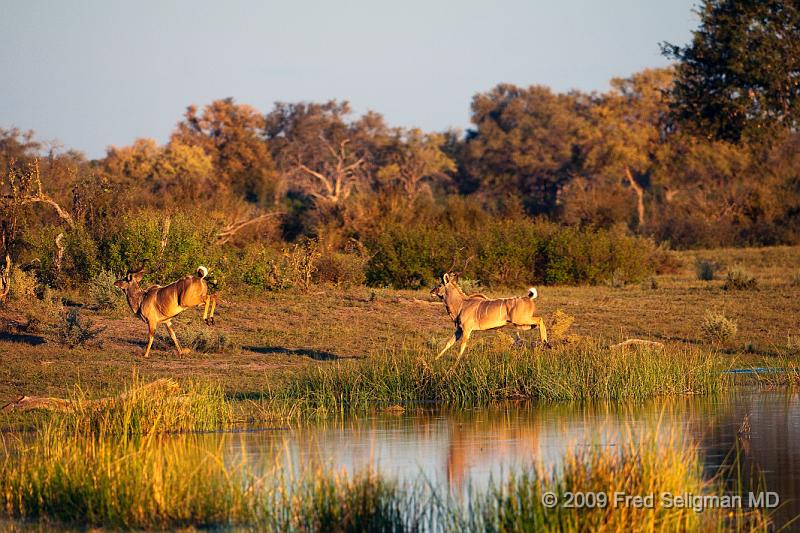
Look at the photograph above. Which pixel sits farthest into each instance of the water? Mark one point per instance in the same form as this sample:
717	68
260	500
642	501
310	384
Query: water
460	449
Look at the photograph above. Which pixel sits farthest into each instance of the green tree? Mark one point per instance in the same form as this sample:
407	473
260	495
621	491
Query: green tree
231	135
525	142
740	75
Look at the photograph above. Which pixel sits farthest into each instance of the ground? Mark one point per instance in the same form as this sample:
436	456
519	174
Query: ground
275	334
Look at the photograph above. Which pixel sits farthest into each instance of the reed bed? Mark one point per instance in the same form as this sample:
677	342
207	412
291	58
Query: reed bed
164	406
584	371
173	481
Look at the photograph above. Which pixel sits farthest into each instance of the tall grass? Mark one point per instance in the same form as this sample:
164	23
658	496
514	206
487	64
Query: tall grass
143	408
486	375
654	464
175	481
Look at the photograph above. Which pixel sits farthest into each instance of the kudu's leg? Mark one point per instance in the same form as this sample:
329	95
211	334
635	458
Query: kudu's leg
181	351
151	334
451	342
208	312
539	322
463	347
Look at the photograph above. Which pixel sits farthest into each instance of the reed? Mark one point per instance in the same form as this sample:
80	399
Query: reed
162	406
173	481
588	370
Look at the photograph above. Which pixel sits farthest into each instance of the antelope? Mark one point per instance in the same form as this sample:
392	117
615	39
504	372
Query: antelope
157	305
477	312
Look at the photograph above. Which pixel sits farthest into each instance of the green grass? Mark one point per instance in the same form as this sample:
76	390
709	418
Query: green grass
583	371
172	481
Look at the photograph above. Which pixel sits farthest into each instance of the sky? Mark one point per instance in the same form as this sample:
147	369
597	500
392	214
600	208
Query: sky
90	74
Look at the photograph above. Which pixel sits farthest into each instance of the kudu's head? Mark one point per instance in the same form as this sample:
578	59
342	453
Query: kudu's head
449	280
130	279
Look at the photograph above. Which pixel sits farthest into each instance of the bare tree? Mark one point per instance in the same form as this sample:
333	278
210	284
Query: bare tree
19	190
335	177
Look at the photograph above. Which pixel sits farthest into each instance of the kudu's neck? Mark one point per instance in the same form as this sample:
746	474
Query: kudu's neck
453	300
134	294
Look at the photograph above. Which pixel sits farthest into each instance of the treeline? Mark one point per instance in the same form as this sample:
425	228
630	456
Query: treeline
407	201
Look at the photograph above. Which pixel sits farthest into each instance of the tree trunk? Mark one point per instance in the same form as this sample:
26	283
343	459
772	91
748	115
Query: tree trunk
639	197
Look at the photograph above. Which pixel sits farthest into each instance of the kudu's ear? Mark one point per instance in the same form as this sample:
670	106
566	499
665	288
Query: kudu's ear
446	278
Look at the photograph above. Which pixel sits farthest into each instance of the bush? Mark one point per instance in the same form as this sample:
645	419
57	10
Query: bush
342	270
42	312
102	292
718	328
205	339
198	337
75	330
139	237
706	270
509	253
23	286
80	255
740	279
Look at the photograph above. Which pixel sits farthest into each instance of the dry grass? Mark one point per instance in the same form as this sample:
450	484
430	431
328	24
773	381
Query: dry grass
276	335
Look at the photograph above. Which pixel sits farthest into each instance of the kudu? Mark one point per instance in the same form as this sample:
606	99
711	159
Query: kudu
157	304
477	312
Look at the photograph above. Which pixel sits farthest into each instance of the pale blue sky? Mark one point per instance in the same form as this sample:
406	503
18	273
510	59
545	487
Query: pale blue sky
95	73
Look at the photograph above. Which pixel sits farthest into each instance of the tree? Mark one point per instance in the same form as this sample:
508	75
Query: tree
414	160
525	141
626	132
176	173
231	135
320	152
740	75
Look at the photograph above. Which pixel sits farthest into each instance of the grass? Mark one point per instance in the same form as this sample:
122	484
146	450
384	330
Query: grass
162	406
584	371
276	335
176	481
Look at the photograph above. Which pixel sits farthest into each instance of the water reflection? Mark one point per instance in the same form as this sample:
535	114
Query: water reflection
456	449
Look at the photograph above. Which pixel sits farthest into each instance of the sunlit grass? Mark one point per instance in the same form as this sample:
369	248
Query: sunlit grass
588	370
171	481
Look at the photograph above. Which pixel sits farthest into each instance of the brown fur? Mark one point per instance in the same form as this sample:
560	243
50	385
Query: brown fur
157	304
479	313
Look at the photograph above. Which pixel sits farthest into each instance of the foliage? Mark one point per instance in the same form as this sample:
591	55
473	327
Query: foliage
178	482
707	269
139	236
23	285
103	293
341	269
204	339
740	279
75	329
739	76
509	253
144	409
524	143
230	135
718	328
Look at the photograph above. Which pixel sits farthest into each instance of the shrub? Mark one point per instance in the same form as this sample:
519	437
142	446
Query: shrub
102	292
204	339
706	270
342	270
75	330
509	253
718	328
139	236
80	255
740	279
42	312
23	285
